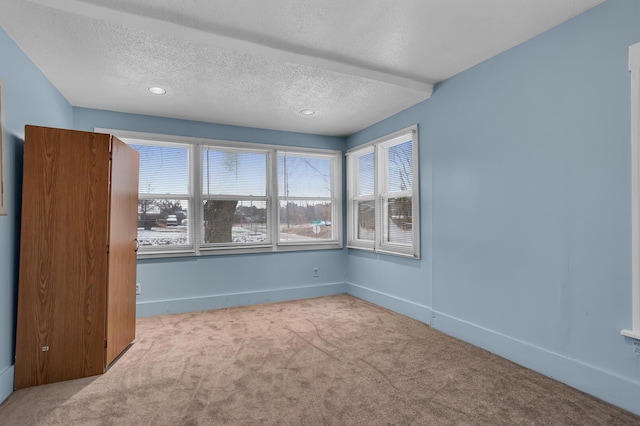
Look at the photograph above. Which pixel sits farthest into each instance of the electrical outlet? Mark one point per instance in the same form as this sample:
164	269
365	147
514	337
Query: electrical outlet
316	272
137	288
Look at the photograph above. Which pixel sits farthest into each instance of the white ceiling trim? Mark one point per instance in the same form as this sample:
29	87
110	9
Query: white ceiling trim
208	36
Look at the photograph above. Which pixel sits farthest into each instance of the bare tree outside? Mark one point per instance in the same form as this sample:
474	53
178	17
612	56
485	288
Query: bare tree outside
218	220
400	208
146	209
218	214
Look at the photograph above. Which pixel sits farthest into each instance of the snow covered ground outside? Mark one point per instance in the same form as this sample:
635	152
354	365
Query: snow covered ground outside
179	235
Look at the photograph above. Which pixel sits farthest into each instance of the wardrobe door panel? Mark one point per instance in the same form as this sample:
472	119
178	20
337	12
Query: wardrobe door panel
63	266
121	299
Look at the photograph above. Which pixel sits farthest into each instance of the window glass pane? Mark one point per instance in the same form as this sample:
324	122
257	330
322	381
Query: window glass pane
227	172
234	221
235	184
366	220
399	167
365	174
305	220
300	176
162	222
399	221
163	169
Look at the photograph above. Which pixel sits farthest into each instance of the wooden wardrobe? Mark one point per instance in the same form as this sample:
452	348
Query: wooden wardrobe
76	294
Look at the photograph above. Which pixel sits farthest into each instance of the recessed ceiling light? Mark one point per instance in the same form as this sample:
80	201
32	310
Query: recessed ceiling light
157	90
307	112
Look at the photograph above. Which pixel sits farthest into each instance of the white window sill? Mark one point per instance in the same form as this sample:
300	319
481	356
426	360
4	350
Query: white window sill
631	333
385	252
209	251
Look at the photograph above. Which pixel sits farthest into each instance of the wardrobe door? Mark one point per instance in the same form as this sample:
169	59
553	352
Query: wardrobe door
63	262
121	298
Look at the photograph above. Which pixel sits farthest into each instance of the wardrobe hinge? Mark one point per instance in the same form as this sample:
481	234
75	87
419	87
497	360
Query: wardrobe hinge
107	249
105	343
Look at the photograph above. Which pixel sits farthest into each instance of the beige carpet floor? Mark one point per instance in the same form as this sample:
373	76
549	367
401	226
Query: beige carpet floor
327	361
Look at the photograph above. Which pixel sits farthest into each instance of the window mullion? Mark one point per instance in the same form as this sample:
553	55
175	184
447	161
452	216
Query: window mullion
377	189
197	216
274	203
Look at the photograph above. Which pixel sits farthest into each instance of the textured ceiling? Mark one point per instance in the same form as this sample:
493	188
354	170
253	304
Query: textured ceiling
258	63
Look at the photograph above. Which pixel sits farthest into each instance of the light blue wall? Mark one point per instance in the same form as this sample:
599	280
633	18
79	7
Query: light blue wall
211	282
29	98
207	282
89	119
529	205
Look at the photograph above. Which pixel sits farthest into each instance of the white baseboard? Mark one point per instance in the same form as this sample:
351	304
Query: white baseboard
6	383
161	307
401	306
608	386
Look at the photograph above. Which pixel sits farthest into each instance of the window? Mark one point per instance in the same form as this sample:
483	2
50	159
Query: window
383	195
634	67
307	197
234	197
362	197
164	196
200	196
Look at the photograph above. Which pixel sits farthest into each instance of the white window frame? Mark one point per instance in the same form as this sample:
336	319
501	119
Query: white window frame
353	177
335	199
189	197
201	198
197	197
380	149
634	68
